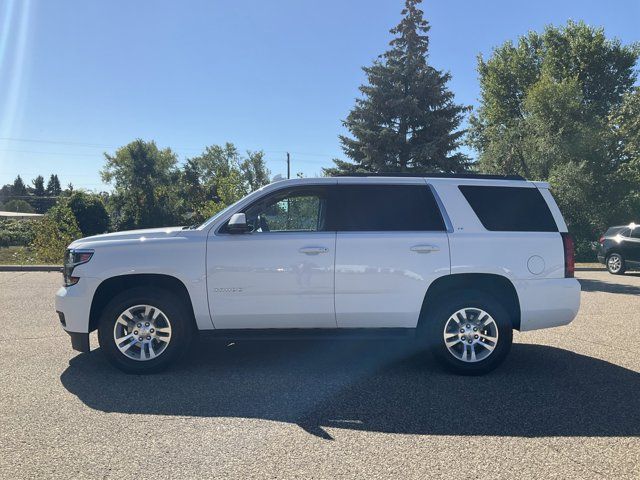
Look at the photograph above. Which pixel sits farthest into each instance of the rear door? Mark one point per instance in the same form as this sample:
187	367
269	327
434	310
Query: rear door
632	245
391	244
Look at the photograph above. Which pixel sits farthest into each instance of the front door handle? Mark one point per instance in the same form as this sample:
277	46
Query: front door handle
313	250
425	248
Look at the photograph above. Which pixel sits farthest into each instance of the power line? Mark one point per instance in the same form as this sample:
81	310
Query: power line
105	145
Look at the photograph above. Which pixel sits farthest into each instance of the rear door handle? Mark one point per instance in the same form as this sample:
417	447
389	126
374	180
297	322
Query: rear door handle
313	250
425	248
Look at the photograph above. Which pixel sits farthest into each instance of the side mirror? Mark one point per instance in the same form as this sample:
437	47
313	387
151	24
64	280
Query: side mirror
238	223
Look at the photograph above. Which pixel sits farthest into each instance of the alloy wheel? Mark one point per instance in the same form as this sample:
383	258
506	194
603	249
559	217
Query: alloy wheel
614	263
142	332
470	334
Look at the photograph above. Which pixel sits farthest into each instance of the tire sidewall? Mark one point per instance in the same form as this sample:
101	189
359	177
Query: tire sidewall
468	299
181	329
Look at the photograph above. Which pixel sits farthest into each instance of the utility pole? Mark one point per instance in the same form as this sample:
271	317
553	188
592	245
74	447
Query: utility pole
288	166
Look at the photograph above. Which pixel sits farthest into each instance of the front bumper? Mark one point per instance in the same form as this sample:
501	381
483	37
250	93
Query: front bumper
73	305
546	303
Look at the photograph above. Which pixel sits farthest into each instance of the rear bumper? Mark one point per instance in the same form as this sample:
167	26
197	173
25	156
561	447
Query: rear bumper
601	259
547	303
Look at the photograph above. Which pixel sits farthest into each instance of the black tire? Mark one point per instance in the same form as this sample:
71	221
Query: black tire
612	270
179	316
437	320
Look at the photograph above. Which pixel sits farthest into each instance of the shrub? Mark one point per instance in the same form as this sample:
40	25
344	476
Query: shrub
53	233
90	213
16	232
20	206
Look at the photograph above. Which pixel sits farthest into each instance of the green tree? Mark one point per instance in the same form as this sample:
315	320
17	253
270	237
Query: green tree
90	212
219	177
18	205
53	233
551	107
624	122
38	186
18	189
53	186
146	185
406	119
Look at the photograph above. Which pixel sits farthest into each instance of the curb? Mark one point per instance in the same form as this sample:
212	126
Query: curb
590	269
30	268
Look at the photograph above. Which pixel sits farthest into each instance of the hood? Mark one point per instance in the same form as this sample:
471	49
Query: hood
146	234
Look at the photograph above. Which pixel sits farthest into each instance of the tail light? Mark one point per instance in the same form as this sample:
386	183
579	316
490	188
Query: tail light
569	251
601	240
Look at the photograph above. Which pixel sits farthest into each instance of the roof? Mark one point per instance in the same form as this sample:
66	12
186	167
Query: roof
19	215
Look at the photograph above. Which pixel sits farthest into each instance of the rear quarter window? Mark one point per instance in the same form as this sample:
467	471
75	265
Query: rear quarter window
510	209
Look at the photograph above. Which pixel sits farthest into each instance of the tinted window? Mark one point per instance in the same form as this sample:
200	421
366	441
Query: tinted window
614	231
635	233
386	207
510	209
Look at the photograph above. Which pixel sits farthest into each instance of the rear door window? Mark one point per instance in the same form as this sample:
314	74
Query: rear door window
379	208
510	209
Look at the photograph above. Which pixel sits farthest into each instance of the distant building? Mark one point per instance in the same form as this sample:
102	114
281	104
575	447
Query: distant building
19	216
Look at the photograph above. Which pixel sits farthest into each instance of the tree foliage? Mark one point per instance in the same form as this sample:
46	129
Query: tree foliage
18	189
559	106
90	212
18	205
219	177
145	181
53	233
406	119
38	186
53	186
16	232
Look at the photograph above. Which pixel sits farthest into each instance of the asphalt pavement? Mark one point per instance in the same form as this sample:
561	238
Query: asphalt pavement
566	403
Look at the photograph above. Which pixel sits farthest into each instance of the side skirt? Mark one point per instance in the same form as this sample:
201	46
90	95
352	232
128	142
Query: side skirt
311	333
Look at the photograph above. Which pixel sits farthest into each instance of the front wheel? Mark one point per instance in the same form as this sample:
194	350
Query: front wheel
144	331
615	264
470	333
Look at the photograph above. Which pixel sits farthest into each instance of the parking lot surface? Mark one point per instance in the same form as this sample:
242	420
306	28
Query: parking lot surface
566	403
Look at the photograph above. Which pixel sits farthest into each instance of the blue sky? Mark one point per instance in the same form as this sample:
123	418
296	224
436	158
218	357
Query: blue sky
81	77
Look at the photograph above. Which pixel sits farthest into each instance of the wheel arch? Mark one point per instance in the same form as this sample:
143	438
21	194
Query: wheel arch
498	286
115	285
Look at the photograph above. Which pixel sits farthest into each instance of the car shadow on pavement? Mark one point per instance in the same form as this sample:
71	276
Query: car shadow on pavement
590	285
374	386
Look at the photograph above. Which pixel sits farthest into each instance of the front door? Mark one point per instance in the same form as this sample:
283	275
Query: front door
280	274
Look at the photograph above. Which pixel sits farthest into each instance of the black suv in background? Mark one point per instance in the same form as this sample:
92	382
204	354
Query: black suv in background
619	248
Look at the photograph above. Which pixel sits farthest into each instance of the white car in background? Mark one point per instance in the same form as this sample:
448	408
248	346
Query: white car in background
457	261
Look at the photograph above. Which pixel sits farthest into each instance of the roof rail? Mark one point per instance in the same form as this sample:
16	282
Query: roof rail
485	176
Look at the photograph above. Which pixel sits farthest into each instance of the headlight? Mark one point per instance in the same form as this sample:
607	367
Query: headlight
73	258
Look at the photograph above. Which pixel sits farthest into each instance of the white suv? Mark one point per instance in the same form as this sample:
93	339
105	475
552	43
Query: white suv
457	262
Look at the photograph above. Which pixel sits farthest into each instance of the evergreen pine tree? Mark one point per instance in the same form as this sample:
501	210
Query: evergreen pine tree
53	186
18	189
38	186
406	120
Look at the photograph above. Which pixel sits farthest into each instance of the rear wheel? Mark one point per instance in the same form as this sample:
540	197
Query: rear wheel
470	333
615	264
145	331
